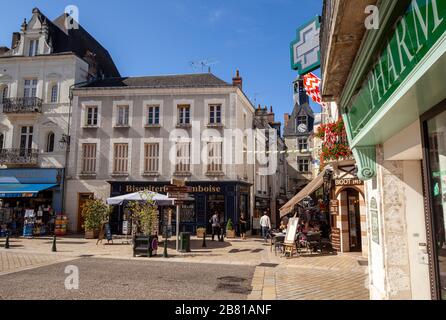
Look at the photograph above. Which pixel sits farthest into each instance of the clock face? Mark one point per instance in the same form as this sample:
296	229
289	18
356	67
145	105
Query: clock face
302	128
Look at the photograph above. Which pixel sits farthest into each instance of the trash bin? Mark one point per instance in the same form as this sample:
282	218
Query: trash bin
185	242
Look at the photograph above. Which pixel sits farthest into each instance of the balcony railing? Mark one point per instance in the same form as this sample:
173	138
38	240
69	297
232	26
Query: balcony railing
22	105
23	157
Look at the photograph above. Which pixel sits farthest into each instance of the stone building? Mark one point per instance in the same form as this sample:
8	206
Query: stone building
270	191
132	134
36	74
388	84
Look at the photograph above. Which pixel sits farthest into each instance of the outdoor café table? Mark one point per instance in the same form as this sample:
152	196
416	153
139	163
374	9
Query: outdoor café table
277	237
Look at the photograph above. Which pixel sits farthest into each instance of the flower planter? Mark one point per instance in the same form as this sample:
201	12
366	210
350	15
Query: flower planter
200	233
230	233
91	234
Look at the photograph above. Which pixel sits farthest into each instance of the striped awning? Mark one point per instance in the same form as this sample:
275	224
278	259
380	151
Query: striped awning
307	191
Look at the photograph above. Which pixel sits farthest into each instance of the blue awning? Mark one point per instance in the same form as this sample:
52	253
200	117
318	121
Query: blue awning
18	190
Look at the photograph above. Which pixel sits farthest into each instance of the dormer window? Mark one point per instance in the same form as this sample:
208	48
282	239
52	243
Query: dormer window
33	48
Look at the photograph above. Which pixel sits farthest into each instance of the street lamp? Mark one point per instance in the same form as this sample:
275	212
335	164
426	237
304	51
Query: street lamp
64	142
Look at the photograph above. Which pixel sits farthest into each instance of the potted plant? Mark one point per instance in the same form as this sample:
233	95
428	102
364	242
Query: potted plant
95	212
200	232
230	232
144	215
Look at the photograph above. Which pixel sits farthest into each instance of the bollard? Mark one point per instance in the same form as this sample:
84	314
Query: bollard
54	249
204	240
7	241
165	249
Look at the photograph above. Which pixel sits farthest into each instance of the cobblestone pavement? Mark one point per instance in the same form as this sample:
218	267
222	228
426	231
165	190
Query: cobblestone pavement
14	261
331	277
106	279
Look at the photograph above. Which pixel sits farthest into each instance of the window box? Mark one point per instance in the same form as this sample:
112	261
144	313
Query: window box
118	175
215	125
150	174
184	125
215	174
87	175
150	126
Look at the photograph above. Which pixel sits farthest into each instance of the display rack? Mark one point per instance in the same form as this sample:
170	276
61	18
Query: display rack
61	226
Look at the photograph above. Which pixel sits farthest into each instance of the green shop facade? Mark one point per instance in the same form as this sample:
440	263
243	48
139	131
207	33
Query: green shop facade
394	107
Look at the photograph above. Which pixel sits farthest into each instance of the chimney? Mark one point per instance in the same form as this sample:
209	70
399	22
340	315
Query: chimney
271	115
287	119
237	81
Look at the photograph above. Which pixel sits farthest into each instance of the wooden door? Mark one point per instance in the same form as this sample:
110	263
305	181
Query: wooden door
82	198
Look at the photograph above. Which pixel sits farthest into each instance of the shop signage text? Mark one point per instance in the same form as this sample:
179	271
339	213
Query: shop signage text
334	207
164	189
423	24
348	182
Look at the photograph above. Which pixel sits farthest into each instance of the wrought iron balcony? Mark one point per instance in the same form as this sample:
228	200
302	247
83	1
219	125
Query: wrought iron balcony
22	105
20	157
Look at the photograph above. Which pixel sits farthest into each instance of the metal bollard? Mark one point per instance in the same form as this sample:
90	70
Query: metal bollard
204	240
7	241
165	249
54	249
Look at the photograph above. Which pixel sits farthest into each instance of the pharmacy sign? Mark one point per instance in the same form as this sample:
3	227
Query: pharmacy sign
305	50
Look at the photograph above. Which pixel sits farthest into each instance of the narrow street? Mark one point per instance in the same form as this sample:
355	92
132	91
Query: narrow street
235	270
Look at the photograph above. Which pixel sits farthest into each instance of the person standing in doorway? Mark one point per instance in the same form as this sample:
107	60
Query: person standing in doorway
265	224
215	221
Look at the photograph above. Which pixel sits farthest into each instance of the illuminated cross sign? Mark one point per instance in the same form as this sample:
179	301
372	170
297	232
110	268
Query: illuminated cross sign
305	50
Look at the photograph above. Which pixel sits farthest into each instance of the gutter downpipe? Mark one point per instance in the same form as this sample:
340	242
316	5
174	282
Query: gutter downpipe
67	151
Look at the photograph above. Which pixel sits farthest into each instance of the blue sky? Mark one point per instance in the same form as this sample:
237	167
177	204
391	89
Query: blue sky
148	37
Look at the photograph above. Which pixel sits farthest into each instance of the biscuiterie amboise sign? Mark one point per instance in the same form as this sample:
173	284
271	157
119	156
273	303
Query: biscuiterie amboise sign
418	31
163	189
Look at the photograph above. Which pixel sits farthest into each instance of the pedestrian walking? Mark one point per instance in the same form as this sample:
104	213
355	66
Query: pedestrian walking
243	223
265	224
215	222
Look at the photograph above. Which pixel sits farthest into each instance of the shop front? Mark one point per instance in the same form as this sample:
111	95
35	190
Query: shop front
30	200
229	199
347	212
434	141
393	105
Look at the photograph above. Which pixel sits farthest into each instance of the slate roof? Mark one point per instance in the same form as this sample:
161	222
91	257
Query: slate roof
204	80
77	41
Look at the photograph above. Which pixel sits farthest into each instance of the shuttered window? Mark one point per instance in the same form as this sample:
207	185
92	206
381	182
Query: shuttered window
89	158
121	158
151	158
215	157
183	157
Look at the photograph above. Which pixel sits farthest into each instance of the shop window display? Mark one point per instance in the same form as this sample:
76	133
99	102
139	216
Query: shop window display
437	162
28	217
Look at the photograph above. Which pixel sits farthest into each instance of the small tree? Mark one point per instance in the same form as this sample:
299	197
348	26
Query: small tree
230	225
144	214
95	212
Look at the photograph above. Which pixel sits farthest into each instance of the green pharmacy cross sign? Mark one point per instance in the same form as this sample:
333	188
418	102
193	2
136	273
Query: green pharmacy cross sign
305	50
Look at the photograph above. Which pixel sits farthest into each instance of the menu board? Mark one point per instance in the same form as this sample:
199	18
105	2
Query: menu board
336	239
187	213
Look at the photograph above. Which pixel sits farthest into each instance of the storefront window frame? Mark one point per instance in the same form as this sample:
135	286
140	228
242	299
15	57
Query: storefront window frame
434	271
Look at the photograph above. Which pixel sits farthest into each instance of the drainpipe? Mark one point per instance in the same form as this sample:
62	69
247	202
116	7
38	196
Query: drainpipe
68	141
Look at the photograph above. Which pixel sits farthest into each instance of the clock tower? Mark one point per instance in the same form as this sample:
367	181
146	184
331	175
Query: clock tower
299	127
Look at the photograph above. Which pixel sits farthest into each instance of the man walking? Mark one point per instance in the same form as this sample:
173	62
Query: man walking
265	224
215	221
